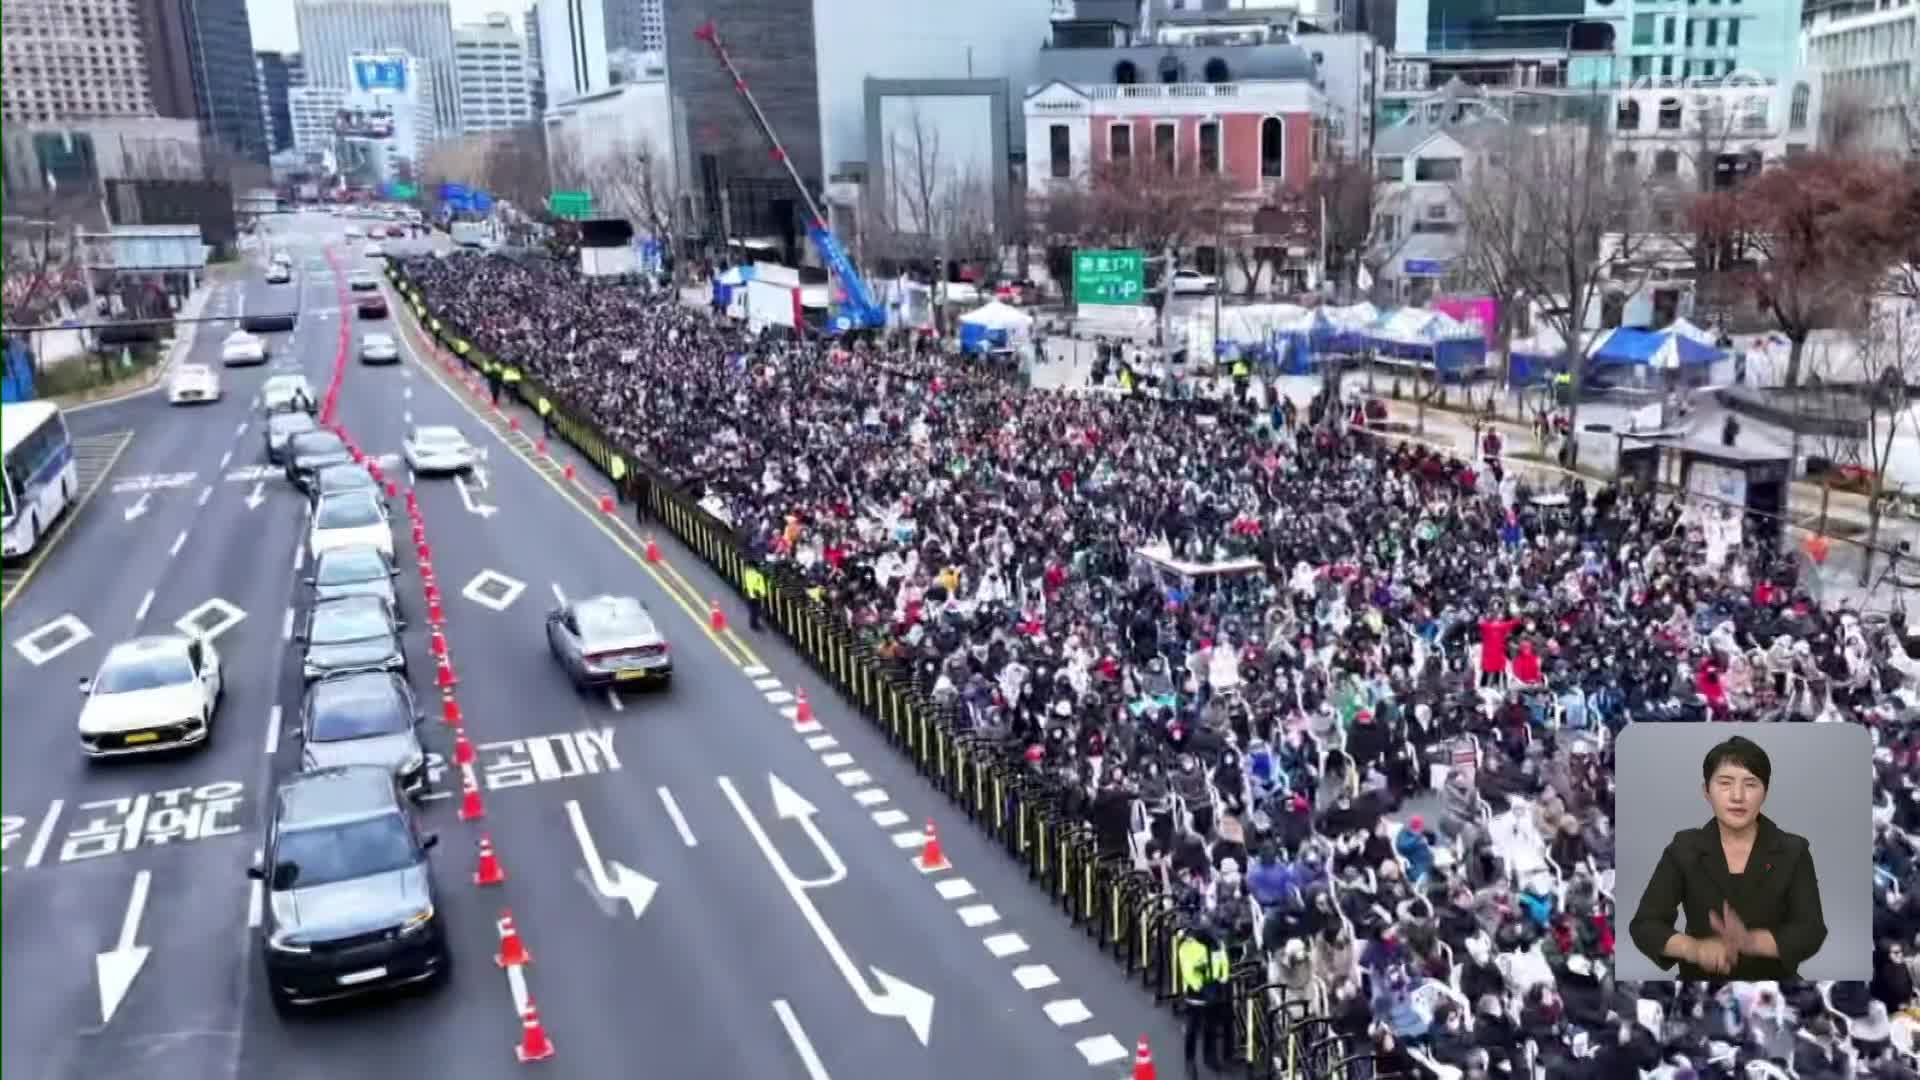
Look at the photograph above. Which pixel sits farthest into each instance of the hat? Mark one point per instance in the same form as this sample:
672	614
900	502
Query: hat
1417	823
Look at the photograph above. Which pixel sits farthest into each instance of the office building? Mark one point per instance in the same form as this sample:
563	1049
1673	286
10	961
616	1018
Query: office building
275	74
536	74
495	92
332	31
66	60
573	48
313	112
1349	64
1867	57
226	93
639	25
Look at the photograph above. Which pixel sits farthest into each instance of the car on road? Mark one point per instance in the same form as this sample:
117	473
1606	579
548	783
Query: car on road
374	251
192	382
608	641
363	280
309	452
359	570
354	233
349	889
437	448
349	519
272	322
352	476
157	692
379	349
279	273
373	307
287	393
241	348
364	718
351	633
1193	283
281	428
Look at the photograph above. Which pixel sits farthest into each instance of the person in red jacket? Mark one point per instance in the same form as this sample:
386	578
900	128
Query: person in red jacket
1526	664
1494	632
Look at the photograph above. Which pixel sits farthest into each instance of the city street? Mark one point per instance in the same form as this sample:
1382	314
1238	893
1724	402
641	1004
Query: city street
703	889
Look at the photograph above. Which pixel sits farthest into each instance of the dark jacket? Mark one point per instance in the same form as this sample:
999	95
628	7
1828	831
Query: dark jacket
1777	892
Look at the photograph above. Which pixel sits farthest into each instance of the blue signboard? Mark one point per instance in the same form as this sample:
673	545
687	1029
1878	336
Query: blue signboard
1426	267
380	73
482	202
452	191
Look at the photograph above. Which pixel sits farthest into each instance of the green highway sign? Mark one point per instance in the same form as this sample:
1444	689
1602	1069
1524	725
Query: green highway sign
570	204
1109	277
405	191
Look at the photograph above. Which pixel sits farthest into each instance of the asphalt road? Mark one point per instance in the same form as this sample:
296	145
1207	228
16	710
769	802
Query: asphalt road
732	955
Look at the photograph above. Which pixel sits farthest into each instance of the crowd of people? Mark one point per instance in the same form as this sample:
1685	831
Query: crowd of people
1351	699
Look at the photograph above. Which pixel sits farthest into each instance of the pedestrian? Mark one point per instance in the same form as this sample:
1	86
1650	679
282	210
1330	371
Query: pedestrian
755	584
1729	431
1204	971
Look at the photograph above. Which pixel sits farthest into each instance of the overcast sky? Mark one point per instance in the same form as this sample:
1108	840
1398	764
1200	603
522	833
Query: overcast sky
274	27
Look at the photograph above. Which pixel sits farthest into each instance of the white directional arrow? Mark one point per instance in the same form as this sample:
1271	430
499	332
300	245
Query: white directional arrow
789	805
612	880
118	968
139	505
258	495
466	496
480	476
895	997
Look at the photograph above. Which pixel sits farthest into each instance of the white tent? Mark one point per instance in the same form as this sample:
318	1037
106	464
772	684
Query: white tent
998	316
1254	324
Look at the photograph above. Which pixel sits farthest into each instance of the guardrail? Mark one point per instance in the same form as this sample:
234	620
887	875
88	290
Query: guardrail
1100	892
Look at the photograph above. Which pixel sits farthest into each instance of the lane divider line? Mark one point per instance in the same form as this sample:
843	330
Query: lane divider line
679	819
274	720
145	603
803	1046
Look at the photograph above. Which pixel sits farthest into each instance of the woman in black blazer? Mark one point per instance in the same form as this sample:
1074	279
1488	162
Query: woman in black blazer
1747	886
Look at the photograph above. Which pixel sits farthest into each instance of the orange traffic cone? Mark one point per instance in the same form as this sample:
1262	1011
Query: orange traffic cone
436	615
513	423
419	533
534	1044
513	952
566	470
445	679
653	549
437	643
1142	1061
450	713
802	708
716	619
471	808
462	748
931	857
489	872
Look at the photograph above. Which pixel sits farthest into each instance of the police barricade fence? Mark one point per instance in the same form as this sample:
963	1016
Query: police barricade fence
1125	909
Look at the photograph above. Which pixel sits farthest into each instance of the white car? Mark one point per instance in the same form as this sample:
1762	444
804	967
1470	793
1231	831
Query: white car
349	519
242	348
363	280
192	382
375	251
151	693
354	233
436	448
1193	283
279	274
379	349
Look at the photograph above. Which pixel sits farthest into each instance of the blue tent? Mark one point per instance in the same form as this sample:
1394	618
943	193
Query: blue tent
1432	337
1681	345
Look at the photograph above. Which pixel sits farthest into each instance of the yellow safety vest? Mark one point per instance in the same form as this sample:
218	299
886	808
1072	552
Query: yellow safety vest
544	406
461	347
756	583
1126	380
511	375
1240	369
1199	967
617	468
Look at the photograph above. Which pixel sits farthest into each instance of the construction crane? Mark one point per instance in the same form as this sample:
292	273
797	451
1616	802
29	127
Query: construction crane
859	311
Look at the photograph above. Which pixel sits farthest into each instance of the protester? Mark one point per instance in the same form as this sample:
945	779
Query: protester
1236	640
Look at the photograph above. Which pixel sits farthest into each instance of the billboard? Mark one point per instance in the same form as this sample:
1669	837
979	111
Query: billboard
380	74
374	122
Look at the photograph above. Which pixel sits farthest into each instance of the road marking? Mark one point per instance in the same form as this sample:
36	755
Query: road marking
890	818
979	915
178	543
240	429
85	452
286	625
1005	945
766	684
492	589
954	888
225	458
273	730
854	778
67	631
558	596
801	1044
822	742
299	557
836	761
44	835
194	623
1035	977
145	603
912	838
679	819
753	671
778	697
613	699
1099	1050
256	892
870	797
205	494
1067	1013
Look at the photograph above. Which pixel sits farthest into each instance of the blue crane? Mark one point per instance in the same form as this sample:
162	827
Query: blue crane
859	311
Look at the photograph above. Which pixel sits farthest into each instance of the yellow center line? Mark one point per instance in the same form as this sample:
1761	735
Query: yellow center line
73	514
594	514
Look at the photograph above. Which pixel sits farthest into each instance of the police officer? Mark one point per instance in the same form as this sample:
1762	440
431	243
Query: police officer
491	369
511	377
1204	972
545	409
755	583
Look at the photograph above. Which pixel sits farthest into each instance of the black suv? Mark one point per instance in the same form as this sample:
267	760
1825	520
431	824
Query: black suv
350	896
309	452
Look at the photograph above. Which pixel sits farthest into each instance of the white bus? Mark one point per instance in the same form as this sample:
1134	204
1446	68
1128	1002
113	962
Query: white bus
471	234
41	480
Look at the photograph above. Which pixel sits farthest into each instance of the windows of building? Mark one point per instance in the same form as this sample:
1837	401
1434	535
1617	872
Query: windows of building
1625	163
1802	103
1669	27
1210	154
1120	144
1733	31
1642	66
1125	73
1666	163
1689	33
1273	148
1436	170
1165	140
1626	114
1390	169
1666	67
1670	116
1713	33
1643	26
1060	151
1216	71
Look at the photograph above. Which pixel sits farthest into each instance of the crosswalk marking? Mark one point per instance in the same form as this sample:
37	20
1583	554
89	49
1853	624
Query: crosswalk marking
93	457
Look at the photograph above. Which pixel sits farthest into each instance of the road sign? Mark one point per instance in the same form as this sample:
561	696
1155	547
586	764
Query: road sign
402	191
1108	277
570	204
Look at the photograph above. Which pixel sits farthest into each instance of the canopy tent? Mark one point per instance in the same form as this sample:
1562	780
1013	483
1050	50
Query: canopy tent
1681	345
993	326
1450	345
729	281
1534	359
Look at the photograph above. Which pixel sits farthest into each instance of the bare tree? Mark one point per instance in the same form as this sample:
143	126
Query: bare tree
1571	216
1362	219
517	169
632	180
460	161
1890	365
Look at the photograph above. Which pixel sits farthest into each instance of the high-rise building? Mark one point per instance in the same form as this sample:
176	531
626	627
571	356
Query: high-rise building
573	48
640	25
494	84
65	60
225	92
332	31
313	112
274	72
536	75
1865	57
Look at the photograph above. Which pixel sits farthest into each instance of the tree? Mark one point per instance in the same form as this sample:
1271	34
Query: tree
632	180
516	168
1890	367
1570	217
1356	203
460	161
